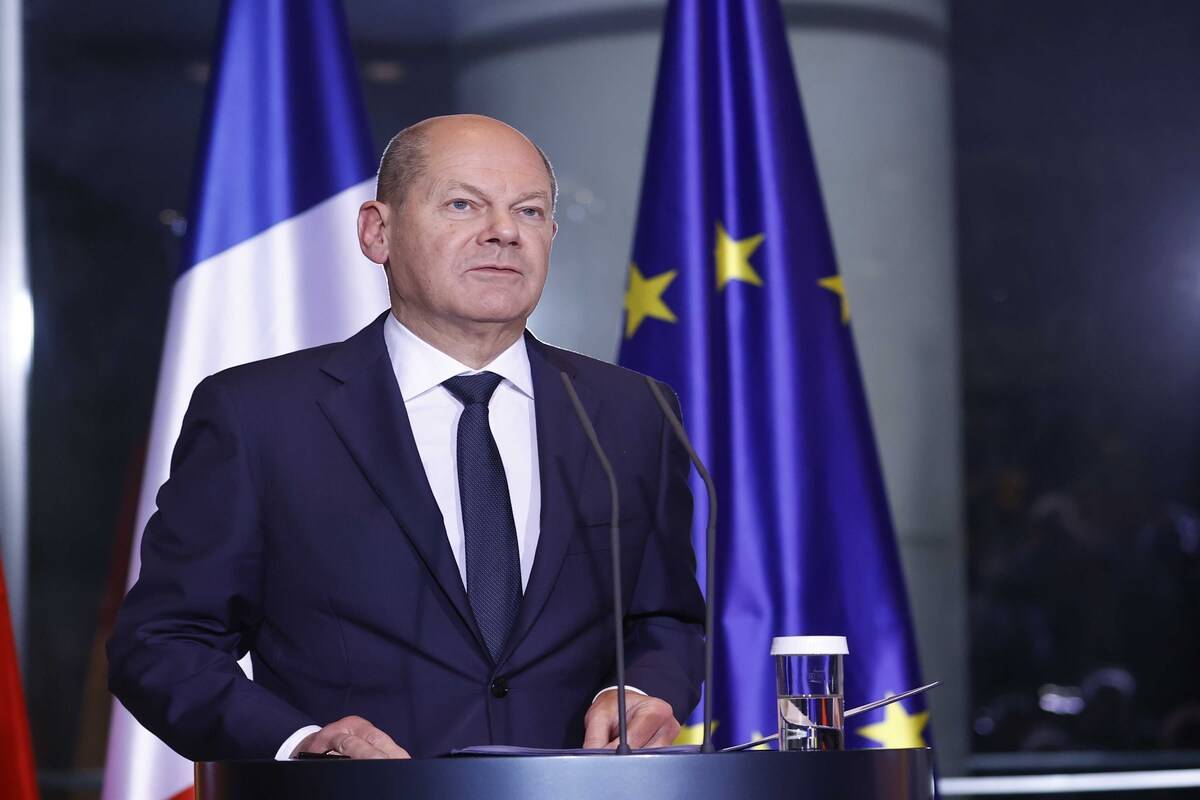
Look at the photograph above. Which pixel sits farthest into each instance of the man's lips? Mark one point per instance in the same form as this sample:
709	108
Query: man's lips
495	269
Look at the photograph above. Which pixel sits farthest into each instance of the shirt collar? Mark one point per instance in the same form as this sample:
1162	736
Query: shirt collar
419	366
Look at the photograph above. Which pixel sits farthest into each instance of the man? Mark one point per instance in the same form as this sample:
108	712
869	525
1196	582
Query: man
408	530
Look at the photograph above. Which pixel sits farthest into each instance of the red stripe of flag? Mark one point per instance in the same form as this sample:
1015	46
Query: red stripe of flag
18	779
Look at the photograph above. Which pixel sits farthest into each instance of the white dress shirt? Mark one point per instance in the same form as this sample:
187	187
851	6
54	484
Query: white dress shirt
433	413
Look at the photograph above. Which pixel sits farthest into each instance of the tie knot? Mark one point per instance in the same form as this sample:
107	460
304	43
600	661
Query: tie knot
472	389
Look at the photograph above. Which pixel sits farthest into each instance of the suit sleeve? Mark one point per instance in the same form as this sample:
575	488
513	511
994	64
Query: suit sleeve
664	628
196	604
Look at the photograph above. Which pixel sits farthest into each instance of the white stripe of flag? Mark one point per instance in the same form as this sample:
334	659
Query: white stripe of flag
299	283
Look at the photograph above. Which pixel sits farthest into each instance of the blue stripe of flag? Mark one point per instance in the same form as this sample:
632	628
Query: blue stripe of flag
285	127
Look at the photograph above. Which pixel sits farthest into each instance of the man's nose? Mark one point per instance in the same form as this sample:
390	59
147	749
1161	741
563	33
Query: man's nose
500	229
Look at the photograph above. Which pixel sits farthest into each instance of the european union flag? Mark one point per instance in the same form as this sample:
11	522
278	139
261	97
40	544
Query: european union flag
734	299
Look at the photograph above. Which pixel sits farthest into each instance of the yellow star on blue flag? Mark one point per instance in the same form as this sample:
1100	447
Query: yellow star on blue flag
733	258
693	734
834	284
643	299
898	729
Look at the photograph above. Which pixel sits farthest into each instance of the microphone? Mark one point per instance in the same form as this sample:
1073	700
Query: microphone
710	557
615	539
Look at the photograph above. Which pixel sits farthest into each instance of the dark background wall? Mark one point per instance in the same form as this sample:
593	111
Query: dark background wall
1079	185
1078	177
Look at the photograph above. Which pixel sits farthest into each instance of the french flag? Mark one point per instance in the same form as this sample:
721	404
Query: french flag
270	261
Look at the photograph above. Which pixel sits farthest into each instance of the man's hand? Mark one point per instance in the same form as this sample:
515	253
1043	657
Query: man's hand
354	737
651	721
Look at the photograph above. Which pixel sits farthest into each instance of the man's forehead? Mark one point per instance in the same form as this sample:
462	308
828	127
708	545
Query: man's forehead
472	167
510	152
486	158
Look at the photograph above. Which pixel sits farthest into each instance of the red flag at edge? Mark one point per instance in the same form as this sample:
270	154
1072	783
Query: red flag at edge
18	779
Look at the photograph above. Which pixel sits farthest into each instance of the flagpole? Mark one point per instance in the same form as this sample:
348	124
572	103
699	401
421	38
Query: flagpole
16	319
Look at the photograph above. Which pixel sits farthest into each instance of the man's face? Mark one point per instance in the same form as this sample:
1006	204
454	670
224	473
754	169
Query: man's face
471	241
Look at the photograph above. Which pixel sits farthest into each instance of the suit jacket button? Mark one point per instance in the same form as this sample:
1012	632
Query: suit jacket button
499	687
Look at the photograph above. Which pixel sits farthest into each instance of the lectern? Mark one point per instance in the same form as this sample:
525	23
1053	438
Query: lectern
845	775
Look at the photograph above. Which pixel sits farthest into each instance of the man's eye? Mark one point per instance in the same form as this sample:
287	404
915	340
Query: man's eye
531	212
459	205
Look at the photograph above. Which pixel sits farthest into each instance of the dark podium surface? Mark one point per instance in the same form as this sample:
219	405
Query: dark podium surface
852	774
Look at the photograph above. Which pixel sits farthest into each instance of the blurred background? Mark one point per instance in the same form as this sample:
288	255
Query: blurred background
1013	191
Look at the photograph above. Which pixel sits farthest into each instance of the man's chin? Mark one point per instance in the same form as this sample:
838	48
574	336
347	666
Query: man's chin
500	311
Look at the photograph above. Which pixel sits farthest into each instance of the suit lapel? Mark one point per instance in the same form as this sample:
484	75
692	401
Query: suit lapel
367	411
563	453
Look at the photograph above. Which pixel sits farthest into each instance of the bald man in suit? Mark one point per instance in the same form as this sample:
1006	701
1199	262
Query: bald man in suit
408	530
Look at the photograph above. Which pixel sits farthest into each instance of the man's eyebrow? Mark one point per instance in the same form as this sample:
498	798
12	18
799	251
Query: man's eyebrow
456	186
460	186
536	194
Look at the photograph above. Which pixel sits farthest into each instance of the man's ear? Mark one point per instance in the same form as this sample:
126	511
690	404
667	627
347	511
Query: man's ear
373	230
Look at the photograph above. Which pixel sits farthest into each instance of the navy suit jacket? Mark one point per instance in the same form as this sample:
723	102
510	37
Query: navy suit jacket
298	525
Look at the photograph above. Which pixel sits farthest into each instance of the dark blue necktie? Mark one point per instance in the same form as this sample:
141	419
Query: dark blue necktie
493	561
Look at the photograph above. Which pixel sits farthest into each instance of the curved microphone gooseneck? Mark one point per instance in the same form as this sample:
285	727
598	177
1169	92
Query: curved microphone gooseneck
615	538
710	557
